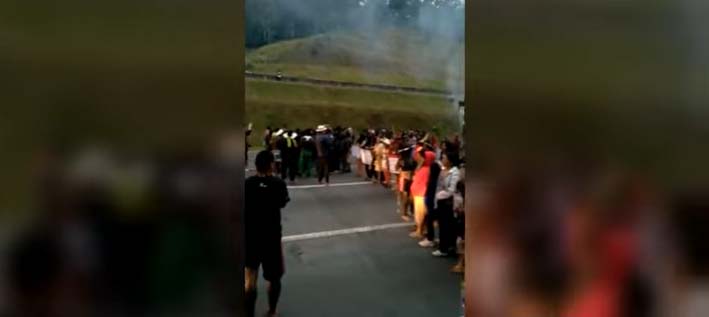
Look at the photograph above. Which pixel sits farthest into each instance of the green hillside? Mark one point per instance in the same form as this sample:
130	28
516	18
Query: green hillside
391	56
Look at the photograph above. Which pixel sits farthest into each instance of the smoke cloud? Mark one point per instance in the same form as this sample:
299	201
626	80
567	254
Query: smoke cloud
424	37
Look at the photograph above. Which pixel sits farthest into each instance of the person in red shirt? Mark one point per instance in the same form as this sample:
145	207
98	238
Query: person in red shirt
418	191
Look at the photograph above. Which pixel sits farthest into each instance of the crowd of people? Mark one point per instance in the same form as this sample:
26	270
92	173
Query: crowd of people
302	153
424	173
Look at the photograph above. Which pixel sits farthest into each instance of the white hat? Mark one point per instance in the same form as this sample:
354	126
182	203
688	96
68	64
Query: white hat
279	132
321	128
386	141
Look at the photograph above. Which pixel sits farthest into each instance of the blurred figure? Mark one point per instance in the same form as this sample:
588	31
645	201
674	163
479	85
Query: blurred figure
265	197
689	289
605	277
489	281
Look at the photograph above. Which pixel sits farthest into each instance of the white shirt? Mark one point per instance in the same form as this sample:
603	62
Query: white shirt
447	186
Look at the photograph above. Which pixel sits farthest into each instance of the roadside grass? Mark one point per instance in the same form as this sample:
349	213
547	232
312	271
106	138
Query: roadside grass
302	105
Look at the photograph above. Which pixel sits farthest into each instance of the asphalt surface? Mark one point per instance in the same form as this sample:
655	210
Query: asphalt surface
374	273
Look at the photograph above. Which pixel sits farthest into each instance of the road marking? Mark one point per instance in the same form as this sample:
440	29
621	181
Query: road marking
331	185
326	234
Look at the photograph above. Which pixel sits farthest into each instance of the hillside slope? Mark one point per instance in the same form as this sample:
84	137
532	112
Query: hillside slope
391	56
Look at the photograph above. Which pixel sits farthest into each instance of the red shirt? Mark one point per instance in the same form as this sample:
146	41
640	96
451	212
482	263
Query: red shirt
418	187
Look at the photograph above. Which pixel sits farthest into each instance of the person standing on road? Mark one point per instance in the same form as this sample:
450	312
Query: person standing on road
323	144
290	157
366	153
430	201
346	151
282	145
265	196
385	174
334	159
445	214
307	153
357	154
407	168
277	145
377	154
267	137
418	191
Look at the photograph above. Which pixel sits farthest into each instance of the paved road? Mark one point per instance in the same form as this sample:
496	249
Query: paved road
375	273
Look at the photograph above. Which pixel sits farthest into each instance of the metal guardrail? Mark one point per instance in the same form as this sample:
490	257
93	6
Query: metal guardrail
335	83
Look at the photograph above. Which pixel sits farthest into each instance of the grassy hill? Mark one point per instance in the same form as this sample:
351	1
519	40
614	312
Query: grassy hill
392	56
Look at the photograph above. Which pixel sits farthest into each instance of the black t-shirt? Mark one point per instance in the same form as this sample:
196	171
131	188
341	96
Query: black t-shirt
265	196
325	144
408	164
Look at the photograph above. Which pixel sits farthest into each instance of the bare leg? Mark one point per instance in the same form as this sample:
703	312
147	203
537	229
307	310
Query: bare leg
274	293
251	277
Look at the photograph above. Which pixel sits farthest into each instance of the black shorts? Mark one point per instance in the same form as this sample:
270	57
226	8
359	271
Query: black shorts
270	256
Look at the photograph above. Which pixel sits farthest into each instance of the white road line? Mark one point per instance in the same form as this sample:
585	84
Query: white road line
331	185
325	234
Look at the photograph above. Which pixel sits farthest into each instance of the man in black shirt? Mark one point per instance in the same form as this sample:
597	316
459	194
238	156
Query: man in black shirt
323	145
265	196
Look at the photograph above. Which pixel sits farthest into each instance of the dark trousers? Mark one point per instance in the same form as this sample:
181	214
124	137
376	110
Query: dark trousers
345	165
323	169
447	226
333	162
430	219
290	168
371	173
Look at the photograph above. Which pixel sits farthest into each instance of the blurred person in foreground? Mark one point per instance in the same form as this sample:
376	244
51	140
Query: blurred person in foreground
687	293
265	196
